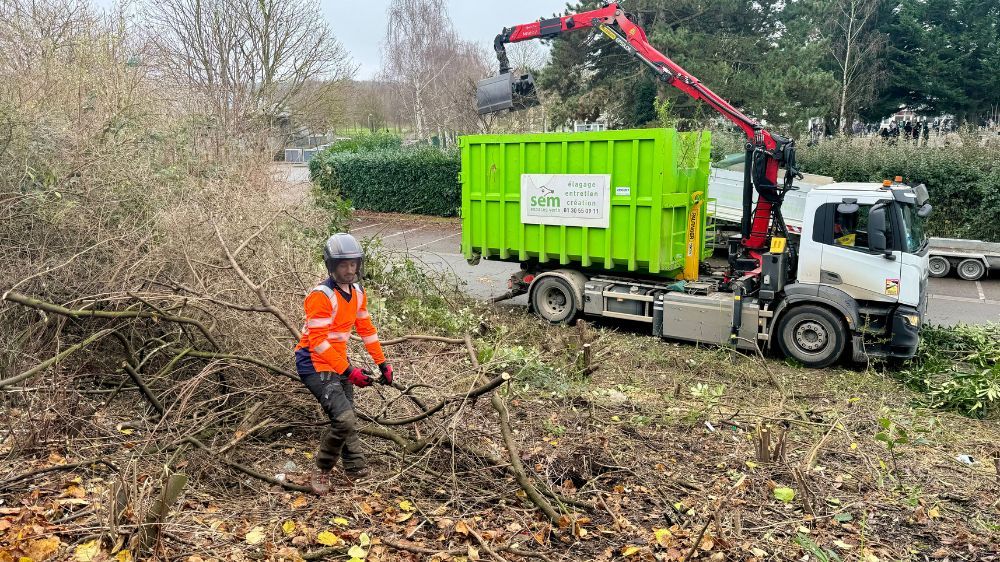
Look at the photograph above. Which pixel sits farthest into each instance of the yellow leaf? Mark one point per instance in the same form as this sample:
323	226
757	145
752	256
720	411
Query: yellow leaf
357	552
403	517
707	543
88	551
76	491
462	528
934	512
288	527
124	556
329	539
663	537
41	549
364	539
630	550
473	553
854	446
126	430
405	505
308	455
299	502
341	521
751	465
255	536
356	560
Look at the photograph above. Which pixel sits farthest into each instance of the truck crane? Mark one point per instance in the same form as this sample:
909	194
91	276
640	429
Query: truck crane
766	152
854	277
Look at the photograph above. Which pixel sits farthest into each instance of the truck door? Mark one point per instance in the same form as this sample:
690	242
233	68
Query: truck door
847	262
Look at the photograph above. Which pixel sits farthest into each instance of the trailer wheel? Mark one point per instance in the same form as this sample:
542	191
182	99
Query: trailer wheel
553	300
938	266
971	269
813	335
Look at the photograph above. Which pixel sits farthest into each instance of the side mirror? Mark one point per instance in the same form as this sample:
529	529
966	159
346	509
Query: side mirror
877	221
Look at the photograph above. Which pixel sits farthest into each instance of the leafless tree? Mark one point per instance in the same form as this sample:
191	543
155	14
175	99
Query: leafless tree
248	59
855	45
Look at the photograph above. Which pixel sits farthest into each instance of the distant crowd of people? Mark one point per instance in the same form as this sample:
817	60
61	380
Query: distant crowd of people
916	131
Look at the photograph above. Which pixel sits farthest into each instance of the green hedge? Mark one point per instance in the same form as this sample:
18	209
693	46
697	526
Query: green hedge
368	142
963	181
422	181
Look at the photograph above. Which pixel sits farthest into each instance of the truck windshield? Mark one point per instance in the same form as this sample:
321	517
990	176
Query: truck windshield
914	229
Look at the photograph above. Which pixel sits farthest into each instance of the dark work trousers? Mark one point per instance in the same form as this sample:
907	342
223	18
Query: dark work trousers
336	395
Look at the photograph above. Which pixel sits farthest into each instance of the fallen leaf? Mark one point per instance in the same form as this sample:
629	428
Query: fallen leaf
630	550
357	552
758	552
255	536
473	553
124	556
707	543
784	494
126	430
41	549
405	505
403	517
288	527
842	545
328	539
663	537
299	502
462	528
934	512
76	491
88	551
854	446
366	508
364	539
341	521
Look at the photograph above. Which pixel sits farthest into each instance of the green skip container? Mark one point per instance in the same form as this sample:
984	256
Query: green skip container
617	201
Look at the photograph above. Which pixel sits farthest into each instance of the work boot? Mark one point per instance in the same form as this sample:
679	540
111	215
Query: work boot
357	473
320	482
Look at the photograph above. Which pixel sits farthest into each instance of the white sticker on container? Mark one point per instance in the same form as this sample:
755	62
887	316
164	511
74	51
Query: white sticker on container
566	199
623	191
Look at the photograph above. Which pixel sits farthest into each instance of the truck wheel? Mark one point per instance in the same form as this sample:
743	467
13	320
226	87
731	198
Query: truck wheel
971	269
938	266
553	300
813	335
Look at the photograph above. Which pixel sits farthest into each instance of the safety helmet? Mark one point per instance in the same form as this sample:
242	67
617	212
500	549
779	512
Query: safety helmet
339	247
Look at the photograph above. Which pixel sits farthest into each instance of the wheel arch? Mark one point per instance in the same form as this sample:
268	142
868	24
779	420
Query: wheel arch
835	300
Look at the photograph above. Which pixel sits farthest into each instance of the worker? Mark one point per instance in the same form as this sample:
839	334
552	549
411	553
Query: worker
332	309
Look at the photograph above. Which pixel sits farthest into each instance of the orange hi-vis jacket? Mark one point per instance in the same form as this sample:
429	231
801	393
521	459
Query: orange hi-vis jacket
329	320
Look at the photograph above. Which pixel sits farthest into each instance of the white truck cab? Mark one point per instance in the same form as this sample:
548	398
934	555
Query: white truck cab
864	247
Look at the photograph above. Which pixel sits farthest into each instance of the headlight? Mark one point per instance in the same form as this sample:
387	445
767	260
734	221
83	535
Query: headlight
912	319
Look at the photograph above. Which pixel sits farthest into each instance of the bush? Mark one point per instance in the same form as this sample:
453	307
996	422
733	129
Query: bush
368	142
958	369
423	181
963	181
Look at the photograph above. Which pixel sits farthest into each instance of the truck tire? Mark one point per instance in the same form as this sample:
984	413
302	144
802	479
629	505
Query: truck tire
971	269
938	266
553	299
813	335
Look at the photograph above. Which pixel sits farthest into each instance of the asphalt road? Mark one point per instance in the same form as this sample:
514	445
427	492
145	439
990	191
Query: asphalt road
435	243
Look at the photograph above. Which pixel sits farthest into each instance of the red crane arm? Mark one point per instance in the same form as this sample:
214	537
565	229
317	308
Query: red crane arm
765	151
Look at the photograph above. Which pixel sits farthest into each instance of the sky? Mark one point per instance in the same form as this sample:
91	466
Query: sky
360	26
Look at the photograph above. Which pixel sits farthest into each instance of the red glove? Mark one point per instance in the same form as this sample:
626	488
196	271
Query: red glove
357	377
386	377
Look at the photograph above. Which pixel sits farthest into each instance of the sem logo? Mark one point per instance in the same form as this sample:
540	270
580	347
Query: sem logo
545	201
